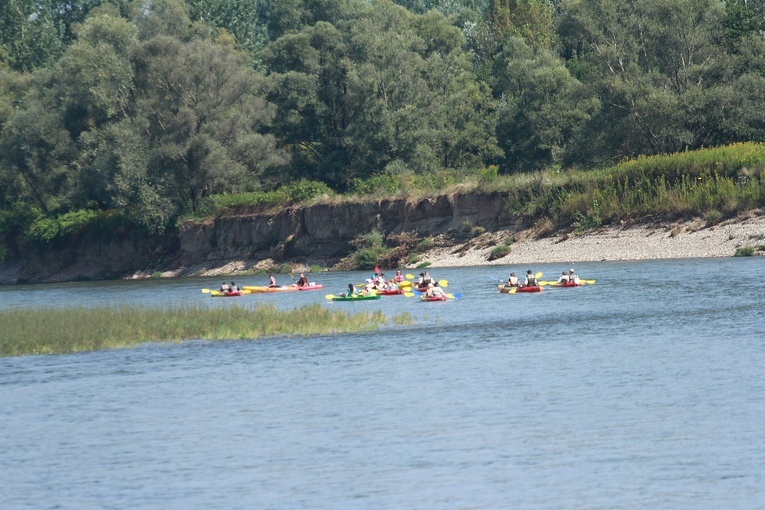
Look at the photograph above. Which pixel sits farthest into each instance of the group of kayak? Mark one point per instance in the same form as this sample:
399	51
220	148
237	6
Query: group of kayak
232	290
377	286
428	288
532	282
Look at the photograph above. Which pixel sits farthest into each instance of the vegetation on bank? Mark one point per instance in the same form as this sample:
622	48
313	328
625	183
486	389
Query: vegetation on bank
67	330
713	183
172	109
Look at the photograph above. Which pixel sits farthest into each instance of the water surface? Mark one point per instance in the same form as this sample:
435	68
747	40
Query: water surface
644	390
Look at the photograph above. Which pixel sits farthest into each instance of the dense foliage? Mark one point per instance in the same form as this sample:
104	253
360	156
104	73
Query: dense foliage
170	108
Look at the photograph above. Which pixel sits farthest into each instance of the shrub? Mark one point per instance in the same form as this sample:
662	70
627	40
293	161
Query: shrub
746	251
499	251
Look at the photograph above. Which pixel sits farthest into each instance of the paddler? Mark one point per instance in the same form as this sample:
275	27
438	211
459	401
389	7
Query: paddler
225	287
233	287
398	278
572	277
531	280
272	281
563	278
436	290
302	281
513	281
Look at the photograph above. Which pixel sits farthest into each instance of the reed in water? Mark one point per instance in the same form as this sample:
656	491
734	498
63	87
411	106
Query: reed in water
65	330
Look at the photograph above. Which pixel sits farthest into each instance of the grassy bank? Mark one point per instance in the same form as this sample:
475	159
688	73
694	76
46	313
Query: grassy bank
58	331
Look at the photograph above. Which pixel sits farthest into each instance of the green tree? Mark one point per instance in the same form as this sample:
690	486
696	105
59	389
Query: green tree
28	35
542	108
666	75
384	88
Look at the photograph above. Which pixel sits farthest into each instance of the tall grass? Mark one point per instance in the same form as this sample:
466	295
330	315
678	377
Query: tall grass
55	331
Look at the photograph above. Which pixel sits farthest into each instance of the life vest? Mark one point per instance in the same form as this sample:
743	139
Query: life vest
513	281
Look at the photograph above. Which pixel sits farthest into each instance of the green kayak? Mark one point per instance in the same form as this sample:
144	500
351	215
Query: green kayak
333	297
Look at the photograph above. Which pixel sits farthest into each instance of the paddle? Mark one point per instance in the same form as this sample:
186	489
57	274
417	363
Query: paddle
454	296
587	281
410	276
443	283
408	294
330	296
206	291
513	290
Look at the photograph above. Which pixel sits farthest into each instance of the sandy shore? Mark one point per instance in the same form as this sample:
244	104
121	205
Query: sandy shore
666	241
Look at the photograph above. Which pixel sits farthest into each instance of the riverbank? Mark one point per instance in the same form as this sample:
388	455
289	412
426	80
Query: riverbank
687	239
666	240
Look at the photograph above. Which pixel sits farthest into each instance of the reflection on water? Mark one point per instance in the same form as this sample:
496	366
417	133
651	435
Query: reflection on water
641	391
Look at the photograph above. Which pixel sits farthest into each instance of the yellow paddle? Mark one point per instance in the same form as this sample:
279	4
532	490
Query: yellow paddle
513	290
410	276
330	296
409	294
206	291
443	283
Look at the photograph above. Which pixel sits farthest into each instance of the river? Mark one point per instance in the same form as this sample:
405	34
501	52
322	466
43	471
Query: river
643	390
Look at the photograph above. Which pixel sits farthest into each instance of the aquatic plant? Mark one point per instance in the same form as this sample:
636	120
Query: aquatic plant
66	330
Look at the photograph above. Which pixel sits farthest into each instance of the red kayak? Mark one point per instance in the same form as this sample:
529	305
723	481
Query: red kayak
507	290
432	298
391	292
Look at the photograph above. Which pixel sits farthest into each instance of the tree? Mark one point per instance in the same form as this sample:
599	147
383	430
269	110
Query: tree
386	87
28	34
665	74
542	108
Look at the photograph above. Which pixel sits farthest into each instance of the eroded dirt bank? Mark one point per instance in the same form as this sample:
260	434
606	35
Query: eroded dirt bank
464	228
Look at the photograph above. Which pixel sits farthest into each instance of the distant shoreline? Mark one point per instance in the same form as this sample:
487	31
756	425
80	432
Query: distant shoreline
687	239
683	239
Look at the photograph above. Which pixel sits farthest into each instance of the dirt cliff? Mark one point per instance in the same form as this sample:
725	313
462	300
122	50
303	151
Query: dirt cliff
322	231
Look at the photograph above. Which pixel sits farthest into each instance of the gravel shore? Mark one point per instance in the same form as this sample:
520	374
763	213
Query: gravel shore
666	241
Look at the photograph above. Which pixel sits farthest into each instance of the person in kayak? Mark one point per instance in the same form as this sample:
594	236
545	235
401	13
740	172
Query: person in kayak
513	281
531	280
572	277
434	290
272	281
233	287
563	278
398	278
225	287
351	291
426	279
302	281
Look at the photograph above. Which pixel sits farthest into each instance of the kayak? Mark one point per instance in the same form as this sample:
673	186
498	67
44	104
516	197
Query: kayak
353	298
392	292
310	286
282	288
567	284
432	298
217	293
506	290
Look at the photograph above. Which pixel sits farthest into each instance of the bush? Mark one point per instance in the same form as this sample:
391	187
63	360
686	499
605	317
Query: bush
499	251
746	251
367	258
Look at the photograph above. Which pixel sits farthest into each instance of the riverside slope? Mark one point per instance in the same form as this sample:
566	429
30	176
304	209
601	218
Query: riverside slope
465	229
